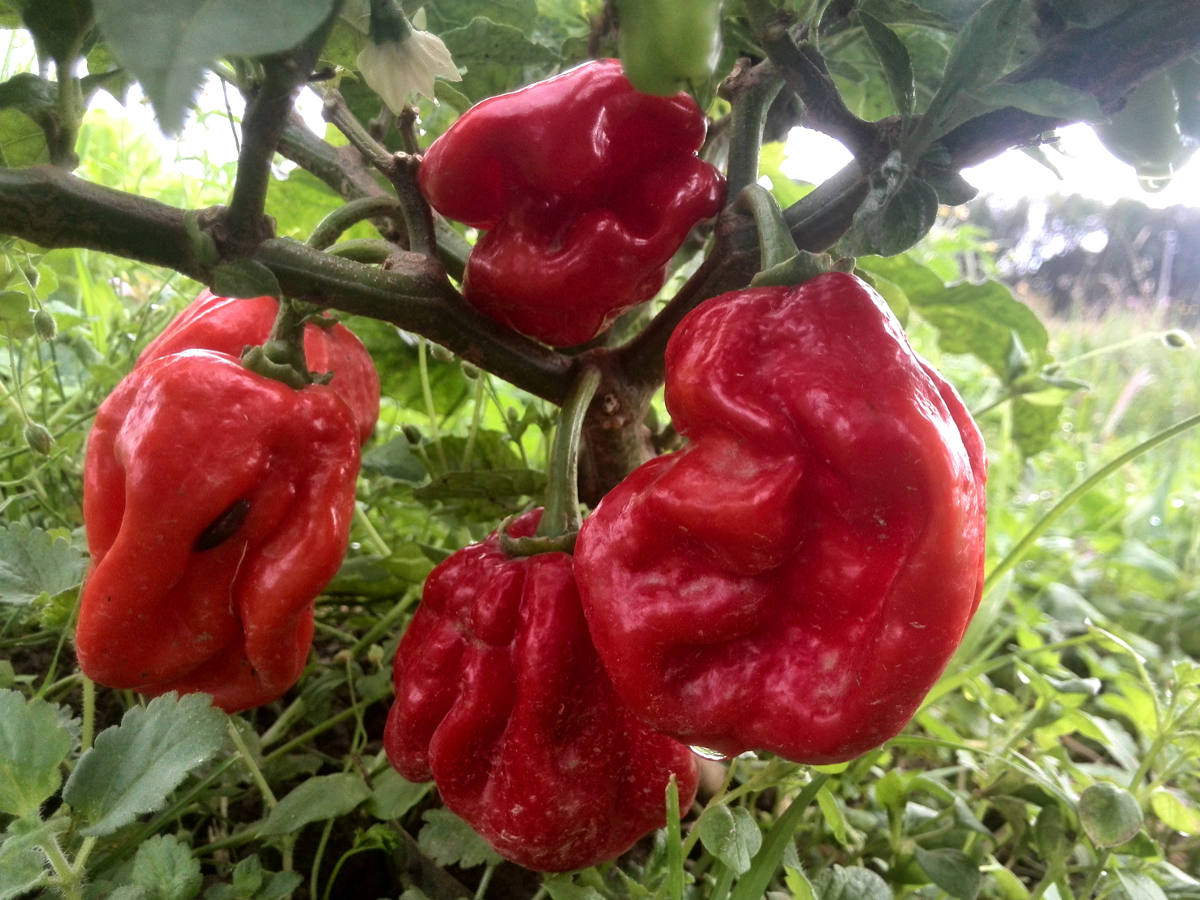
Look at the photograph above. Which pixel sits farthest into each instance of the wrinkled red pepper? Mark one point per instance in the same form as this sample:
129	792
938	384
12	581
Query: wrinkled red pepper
798	575
584	187
227	324
501	699
218	505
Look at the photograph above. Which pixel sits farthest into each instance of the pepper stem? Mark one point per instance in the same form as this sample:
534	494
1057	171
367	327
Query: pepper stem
561	515
282	356
781	262
388	22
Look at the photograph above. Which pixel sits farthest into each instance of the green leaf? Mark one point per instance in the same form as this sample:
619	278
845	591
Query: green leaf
493	485
1043	97
449	841
852	883
34	563
393	796
16	315
952	871
244	278
1109	814
898	211
1174	811
251	882
165	869
979	318
29	93
893	56
135	766
22	863
1139	886
563	887
982	50
495	56
315	800
33	745
58	26
22	141
834	817
168	44
731	835
395	459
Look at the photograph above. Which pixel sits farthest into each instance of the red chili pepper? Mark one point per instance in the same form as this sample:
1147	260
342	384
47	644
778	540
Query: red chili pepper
798	575
227	324
501	699
218	504
584	188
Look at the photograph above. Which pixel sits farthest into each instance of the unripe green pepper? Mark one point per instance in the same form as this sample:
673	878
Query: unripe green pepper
1145	131
667	45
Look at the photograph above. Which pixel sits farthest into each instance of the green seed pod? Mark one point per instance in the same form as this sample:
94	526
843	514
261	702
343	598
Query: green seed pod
412	434
45	325
39	439
1178	339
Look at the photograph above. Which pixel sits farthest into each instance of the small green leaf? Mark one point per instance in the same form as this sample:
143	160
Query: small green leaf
563	887
834	817
133	767
898	211
1139	886
315	800
952	871
22	863
731	835
34	563
1043	97
1109	814
392	796
244	278
395	459
16	315
165	869
33	745
893	56
449	841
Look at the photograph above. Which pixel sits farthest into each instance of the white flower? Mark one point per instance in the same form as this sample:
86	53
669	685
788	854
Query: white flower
395	69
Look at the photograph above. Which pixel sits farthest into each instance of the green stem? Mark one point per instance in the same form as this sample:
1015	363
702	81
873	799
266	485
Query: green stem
330	228
69	881
674	843
1023	545
87	731
255	772
363	250
430	407
755	91
561	515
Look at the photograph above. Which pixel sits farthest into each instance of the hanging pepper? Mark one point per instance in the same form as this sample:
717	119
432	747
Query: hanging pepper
667	45
584	189
798	575
227	324
217	504
501	700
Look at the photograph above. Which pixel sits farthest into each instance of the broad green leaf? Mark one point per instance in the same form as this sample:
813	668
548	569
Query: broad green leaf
168	44
133	767
34	562
251	882
451	13
22	142
494	55
1109	814
731	835
1139	886
395	459
449	841
893	56
905	12
1175	811
315	800
1043	97
15	314
851	883
165	869
982	49
952	871
33	745
393	796
58	26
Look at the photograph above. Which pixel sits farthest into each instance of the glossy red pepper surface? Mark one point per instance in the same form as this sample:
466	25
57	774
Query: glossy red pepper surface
501	699
228	324
218	505
584	187
798	575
